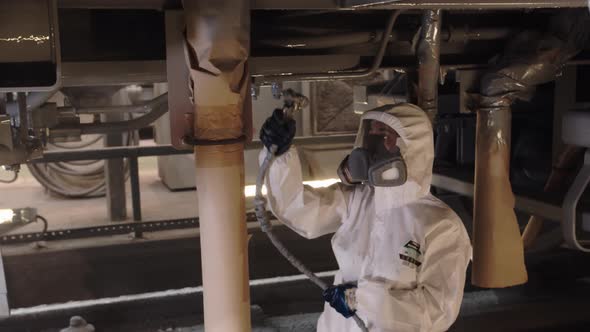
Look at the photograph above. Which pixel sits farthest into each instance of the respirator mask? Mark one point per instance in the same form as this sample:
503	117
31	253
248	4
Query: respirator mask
374	165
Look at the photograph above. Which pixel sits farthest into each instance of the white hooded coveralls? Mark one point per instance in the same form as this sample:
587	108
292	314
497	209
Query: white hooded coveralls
407	250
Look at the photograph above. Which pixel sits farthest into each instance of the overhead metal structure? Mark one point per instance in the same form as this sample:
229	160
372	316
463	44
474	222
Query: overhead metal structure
338	5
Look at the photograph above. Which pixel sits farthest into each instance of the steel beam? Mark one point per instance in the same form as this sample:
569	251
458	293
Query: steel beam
336	5
114	171
98	73
76	74
463	4
135	193
164	150
524	204
108	153
103	230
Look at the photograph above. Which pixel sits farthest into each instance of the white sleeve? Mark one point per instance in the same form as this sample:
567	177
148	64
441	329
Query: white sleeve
311	212
435	302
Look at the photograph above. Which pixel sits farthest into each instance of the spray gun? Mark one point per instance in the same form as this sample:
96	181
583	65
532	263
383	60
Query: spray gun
292	102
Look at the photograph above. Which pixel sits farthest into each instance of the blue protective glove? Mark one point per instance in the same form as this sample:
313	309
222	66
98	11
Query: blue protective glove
278	131
337	299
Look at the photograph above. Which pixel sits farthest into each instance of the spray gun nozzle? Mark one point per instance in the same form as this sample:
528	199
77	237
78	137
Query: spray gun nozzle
293	101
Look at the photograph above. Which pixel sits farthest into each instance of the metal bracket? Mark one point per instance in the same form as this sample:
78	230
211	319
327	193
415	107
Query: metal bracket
179	93
571	202
4	308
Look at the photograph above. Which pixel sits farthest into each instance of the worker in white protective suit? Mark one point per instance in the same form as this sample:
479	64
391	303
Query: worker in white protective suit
402	253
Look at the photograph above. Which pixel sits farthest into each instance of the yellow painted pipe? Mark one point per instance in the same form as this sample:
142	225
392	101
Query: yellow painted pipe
498	255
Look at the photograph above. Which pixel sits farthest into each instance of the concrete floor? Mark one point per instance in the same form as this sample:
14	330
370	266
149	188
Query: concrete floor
529	308
158	202
293	323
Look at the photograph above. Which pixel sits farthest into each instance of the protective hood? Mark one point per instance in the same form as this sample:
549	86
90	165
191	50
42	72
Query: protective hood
416	145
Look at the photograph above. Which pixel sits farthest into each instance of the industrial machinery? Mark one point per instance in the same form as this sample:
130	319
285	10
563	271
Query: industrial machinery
503	83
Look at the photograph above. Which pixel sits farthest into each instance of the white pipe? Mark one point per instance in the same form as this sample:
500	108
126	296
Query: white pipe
224	259
218	42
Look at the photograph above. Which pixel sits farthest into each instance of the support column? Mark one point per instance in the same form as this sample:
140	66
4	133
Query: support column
2	103
114	171
218	35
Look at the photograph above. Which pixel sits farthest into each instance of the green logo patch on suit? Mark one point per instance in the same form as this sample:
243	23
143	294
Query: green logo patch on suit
411	255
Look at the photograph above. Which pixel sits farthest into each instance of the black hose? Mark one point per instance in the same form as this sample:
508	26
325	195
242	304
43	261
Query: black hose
45	225
11	180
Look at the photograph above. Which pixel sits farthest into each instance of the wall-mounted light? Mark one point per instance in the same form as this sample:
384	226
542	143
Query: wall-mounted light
6	215
14	218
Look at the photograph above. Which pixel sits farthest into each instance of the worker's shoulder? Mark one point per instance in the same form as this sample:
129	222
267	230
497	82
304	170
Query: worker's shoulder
438	216
430	205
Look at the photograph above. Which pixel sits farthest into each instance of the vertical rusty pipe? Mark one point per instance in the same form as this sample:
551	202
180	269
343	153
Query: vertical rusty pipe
217	36
428	53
